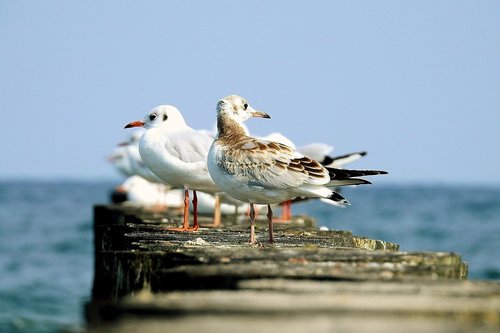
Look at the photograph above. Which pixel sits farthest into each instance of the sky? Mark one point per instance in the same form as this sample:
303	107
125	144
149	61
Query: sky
414	83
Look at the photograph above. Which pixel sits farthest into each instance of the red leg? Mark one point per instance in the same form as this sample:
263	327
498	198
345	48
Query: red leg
289	210
286	212
185	222
270	219
195	211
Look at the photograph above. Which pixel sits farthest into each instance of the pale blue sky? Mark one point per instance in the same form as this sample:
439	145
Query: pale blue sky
415	83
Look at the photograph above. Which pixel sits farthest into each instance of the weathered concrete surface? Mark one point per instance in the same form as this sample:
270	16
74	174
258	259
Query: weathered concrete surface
148	278
314	306
132	256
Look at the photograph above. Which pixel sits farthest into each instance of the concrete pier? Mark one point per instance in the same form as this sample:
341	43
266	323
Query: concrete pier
151	279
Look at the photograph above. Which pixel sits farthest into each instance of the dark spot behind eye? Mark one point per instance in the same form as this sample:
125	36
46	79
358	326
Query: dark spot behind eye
165	117
152	116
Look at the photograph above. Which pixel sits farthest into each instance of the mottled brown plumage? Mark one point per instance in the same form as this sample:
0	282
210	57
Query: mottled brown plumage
246	155
266	172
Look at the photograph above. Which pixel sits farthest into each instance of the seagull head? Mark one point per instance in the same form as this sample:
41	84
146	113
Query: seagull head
165	116
237	108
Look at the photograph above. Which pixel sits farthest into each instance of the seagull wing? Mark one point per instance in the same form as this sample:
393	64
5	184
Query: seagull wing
189	147
270	164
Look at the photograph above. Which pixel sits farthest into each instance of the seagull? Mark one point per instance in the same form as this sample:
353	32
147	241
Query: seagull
258	171
120	160
127	160
317	151
131	153
177	154
141	192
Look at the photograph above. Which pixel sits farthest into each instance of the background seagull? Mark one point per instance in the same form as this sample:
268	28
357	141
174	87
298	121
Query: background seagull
266	172
141	187
137	166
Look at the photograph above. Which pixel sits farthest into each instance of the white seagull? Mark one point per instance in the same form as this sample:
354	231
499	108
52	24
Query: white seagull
177	154
131	153
119	158
266	172
141	192
141	187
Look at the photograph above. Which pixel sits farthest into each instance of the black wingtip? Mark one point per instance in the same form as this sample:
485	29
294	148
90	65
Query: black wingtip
362	181
339	199
327	160
330	159
337	174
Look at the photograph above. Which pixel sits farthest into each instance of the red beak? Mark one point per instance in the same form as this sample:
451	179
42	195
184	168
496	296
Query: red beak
135	124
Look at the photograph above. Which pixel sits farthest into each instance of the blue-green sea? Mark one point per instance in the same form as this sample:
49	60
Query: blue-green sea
46	249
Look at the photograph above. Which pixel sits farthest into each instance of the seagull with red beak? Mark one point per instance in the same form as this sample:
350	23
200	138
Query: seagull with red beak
177	154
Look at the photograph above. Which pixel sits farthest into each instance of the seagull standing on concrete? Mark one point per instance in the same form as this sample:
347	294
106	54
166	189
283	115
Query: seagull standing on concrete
266	172
177	154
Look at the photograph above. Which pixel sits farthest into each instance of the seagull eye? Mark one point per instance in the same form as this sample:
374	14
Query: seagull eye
165	117
245	106
152	116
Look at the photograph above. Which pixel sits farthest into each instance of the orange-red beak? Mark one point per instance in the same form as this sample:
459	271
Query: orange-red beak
135	124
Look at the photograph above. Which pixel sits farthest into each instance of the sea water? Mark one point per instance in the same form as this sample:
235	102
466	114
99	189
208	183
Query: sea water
46	241
46	253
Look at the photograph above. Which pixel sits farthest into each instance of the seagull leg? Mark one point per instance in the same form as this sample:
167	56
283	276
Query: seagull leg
289	210
252	225
286	212
256	210
195	211
270	219
185	222
217	213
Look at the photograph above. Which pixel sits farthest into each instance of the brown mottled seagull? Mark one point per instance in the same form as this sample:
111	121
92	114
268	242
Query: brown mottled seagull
258	171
